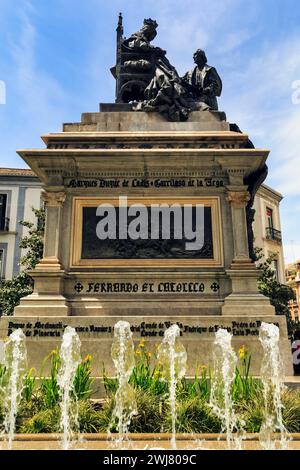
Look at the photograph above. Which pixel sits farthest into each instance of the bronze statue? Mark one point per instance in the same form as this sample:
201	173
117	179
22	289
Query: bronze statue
203	82
145	77
164	93
142	38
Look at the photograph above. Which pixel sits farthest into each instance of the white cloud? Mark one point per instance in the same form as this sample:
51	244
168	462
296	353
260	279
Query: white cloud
36	102
234	40
287	139
38	91
185	26
258	98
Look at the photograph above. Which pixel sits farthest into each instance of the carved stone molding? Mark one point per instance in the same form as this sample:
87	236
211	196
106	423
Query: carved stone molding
53	199
135	145
160	173
238	199
236	175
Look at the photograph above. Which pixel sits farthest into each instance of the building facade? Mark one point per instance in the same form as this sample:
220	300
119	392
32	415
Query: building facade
292	273
20	190
267	228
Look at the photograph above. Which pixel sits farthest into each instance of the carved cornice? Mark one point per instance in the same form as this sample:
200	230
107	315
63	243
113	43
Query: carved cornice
52	166
147	140
146	145
236	175
53	199
238	199
206	172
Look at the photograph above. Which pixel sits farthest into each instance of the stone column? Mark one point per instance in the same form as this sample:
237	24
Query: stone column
245	297
238	201
53	204
48	298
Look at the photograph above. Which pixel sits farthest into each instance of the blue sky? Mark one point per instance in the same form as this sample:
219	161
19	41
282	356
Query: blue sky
55	58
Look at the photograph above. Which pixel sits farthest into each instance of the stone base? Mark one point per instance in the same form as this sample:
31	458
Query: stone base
235	304
130	121
43	305
96	334
245	297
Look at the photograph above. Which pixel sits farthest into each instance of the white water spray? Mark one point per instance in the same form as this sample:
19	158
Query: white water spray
70	359
122	354
173	357
271	373
15	363
225	362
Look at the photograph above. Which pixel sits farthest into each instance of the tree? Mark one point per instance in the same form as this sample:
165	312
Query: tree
11	291
268	285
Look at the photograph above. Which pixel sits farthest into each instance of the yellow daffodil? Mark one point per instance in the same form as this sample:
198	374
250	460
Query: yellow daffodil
88	358
242	352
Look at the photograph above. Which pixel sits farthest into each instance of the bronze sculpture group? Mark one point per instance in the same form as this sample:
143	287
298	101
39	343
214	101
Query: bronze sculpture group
146	78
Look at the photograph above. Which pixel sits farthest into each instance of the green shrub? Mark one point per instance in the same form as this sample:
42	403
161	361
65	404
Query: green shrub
82	380
244	386
29	383
291	410
49	388
46	421
252	411
146	376
39	410
198	387
94	419
110	384
3	376
151	412
195	416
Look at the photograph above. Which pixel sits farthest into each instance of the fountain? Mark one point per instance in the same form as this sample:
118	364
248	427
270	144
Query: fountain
173	357
122	354
15	363
225	362
70	359
271	373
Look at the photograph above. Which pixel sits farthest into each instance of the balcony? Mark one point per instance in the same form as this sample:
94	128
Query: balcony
4	225
273	234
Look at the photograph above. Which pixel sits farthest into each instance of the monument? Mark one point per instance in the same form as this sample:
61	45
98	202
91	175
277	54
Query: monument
162	146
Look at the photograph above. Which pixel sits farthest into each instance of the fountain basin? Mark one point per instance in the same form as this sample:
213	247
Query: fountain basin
139	442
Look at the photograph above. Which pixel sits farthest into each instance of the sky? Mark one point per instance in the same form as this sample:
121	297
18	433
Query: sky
55	58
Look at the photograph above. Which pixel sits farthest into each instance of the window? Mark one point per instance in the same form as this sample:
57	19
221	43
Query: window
271	232
269	213
275	268
2	273
3	202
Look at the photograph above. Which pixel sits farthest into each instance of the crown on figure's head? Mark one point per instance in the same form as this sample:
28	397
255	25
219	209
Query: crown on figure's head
150	22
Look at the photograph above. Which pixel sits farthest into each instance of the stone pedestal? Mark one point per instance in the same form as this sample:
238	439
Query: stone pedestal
242	272
49	277
149	160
